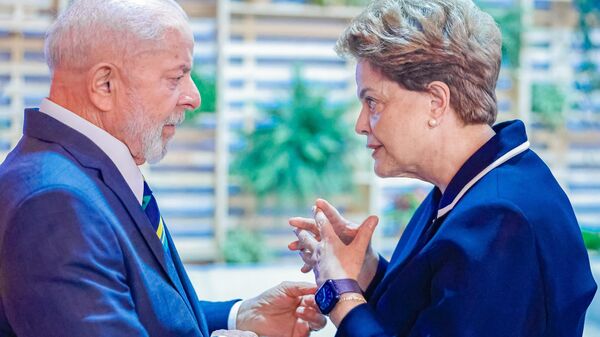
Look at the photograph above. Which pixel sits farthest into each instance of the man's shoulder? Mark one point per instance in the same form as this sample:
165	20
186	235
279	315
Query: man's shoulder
35	166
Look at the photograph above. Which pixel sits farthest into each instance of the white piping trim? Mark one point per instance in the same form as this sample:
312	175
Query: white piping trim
507	156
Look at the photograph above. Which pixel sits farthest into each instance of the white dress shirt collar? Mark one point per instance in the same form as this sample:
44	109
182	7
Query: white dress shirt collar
117	151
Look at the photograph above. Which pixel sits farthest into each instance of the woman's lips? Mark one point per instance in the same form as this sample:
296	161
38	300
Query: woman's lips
375	149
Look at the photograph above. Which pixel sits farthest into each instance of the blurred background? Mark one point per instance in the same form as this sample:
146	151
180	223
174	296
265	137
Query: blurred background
275	129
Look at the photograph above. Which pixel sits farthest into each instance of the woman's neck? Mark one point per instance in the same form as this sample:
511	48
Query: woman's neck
454	148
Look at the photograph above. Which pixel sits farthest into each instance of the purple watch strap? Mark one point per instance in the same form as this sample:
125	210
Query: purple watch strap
346	285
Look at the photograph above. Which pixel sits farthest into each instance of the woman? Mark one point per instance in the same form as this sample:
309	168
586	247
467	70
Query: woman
494	249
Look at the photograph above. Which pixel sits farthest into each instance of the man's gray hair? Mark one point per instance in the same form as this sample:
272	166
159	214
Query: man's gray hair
415	42
89	27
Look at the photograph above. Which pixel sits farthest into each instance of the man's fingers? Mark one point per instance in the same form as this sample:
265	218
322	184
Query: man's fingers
306	224
301	328
308	301
315	319
297	289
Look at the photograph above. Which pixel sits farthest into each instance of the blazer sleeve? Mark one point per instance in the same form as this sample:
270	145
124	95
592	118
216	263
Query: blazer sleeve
379	274
61	270
485	281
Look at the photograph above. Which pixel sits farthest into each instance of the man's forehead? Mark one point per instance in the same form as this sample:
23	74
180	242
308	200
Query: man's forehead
168	44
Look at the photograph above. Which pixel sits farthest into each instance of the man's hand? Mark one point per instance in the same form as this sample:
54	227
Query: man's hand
309	236
287	310
233	333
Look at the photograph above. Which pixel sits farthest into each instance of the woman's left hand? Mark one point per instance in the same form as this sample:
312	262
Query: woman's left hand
335	259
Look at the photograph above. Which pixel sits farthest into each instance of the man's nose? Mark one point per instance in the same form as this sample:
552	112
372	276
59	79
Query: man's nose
190	96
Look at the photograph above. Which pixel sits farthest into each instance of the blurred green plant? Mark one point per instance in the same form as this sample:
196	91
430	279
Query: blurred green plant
511	26
207	86
399	213
244	246
548	103
298	152
588	77
591	240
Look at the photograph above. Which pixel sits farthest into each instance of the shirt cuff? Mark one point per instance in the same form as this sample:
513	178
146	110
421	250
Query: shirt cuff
231	321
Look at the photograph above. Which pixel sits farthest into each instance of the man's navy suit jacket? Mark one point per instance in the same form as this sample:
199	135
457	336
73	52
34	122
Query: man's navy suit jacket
507	259
78	255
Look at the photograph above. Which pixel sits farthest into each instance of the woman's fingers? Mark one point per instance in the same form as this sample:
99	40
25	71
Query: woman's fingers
306	268
305	224
365	233
342	227
306	245
324	226
294	245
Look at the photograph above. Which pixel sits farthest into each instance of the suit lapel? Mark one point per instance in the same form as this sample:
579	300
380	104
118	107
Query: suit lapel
115	182
187	285
44	127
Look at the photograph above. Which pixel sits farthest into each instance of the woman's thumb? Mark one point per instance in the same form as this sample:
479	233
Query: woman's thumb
365	233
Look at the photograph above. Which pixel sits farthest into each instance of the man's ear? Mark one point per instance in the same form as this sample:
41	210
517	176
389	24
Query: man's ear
439	93
102	85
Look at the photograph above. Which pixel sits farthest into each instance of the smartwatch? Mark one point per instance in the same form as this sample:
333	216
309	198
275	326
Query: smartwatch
328	295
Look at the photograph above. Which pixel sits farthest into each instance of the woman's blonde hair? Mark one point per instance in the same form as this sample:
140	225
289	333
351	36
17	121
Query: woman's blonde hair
415	42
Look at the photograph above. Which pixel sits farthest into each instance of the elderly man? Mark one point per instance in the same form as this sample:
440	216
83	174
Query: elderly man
84	250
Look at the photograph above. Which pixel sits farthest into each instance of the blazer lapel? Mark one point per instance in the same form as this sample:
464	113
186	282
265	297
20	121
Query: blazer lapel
42	126
411	241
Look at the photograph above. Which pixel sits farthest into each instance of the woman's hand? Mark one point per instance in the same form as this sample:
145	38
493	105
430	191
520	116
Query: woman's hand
309	237
335	259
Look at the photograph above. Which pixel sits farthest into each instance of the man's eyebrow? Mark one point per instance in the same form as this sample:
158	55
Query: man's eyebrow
184	67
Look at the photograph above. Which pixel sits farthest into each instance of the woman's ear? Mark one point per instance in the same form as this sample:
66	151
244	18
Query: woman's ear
439	93
102	86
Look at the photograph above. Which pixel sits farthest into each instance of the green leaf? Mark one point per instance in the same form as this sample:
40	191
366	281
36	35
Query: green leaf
301	155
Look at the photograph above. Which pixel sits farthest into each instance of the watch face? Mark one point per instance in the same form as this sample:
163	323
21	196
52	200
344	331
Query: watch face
326	297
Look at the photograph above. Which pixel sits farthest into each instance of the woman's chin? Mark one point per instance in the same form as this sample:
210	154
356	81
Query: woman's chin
381	172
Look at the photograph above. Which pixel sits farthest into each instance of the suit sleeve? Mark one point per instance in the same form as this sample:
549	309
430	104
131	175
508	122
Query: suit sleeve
217	313
485	281
62	273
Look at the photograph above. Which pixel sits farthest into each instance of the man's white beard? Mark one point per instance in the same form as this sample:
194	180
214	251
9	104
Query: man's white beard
152	145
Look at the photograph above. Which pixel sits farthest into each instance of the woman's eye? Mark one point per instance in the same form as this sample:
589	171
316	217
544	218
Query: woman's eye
371	104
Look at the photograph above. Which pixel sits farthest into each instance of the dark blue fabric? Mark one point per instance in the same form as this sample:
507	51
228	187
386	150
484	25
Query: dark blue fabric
78	255
508	260
151	208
